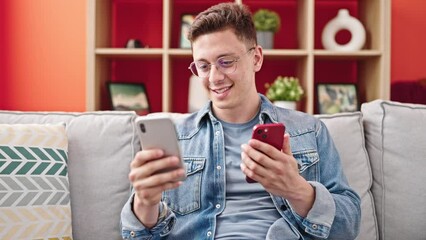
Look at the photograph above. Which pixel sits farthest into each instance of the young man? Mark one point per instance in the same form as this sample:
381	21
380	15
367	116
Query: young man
301	191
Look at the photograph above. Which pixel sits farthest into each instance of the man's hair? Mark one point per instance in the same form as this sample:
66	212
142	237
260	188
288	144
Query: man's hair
223	16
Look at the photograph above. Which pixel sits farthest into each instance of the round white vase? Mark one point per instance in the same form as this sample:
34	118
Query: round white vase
343	21
286	104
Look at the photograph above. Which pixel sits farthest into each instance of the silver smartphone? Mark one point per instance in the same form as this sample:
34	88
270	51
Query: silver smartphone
159	132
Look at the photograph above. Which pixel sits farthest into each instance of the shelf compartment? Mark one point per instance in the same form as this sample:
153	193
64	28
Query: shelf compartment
140	20
325	10
179	85
146	71
288	36
274	67
181	7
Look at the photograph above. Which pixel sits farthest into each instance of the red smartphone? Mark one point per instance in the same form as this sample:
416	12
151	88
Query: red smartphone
270	133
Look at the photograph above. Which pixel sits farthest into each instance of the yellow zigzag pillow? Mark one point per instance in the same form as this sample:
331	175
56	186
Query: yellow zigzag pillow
34	187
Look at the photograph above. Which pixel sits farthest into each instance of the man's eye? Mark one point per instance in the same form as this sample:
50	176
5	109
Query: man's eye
202	66
226	62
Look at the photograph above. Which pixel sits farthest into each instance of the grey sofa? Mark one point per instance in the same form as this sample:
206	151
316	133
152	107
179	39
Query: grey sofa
383	149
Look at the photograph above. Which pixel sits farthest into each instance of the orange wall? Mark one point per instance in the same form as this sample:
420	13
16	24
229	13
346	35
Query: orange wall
44	61
43	51
408	40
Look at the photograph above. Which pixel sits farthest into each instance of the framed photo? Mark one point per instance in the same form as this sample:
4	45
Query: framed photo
186	21
336	98
129	97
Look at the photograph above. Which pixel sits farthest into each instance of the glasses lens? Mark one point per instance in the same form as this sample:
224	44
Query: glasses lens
200	69
226	65
193	69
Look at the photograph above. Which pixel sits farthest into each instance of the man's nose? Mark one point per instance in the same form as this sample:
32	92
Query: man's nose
215	74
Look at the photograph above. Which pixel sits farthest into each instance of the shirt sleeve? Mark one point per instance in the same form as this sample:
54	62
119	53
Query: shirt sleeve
132	228
336	212
320	218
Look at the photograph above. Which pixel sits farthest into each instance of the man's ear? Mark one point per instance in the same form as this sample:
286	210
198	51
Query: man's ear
258	58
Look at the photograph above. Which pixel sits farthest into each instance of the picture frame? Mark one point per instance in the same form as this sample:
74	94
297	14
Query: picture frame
185	24
337	97
129	97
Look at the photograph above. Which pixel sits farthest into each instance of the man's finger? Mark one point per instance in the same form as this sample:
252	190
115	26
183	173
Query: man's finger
286	144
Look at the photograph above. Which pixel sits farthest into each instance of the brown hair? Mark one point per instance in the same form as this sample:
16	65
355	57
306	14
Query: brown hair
221	17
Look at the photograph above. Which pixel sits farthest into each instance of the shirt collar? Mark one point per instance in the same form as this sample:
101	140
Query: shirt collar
268	112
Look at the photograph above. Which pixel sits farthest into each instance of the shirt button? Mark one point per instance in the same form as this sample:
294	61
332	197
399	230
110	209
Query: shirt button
133	234
218	167
209	233
217	133
314	226
217	205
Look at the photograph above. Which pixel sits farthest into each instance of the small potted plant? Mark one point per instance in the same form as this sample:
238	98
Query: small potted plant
284	91
267	23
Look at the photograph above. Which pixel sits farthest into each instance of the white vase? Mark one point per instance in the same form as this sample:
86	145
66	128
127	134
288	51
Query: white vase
343	21
286	104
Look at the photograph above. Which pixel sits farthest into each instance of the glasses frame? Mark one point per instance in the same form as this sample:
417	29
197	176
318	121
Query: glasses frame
234	61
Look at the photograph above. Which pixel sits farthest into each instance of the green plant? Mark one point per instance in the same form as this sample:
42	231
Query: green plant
284	89
266	20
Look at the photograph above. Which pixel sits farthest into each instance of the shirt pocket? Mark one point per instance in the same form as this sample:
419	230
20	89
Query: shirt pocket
307	161
186	198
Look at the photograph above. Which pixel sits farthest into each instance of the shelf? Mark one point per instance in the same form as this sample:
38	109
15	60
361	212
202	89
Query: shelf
282	54
355	55
285	54
125	52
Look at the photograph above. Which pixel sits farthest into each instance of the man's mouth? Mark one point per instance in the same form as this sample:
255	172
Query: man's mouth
221	90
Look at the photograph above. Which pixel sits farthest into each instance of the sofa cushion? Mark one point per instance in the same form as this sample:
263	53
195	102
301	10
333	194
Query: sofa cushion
348	135
101	146
396	143
34	187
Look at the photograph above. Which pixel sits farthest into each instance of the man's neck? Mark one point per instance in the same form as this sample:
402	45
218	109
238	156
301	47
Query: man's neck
242	114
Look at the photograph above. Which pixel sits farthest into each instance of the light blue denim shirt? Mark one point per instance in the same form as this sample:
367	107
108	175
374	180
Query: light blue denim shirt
189	212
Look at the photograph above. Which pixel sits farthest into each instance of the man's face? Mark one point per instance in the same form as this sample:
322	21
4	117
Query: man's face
228	91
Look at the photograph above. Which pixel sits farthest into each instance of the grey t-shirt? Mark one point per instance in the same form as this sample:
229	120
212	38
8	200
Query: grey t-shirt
249	210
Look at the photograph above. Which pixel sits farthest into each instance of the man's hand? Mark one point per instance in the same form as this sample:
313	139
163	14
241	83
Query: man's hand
278	173
149	183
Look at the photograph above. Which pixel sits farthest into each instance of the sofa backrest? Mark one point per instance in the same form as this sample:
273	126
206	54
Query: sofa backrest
101	146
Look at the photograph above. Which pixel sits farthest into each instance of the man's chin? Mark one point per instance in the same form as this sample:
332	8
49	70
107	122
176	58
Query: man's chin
222	105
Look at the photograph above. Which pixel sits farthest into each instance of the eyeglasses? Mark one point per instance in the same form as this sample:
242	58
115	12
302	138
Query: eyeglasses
225	65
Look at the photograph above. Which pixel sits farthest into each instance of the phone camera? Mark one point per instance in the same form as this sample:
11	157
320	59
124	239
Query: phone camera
142	126
264	136
259	131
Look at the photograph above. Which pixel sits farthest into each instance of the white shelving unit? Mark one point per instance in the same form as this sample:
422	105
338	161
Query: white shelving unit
373	62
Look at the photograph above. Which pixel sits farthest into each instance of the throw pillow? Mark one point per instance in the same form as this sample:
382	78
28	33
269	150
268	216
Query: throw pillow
347	132
396	144
34	187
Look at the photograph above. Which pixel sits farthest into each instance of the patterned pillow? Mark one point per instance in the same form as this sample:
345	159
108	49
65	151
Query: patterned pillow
34	187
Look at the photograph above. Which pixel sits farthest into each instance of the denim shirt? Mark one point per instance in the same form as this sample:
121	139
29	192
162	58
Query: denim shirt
189	212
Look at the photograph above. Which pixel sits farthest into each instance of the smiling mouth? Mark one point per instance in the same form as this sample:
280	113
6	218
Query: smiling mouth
221	90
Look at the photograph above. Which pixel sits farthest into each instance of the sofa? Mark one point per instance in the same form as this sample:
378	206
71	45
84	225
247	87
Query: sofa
382	147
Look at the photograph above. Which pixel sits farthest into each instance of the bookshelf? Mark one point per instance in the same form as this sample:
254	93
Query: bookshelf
298	51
